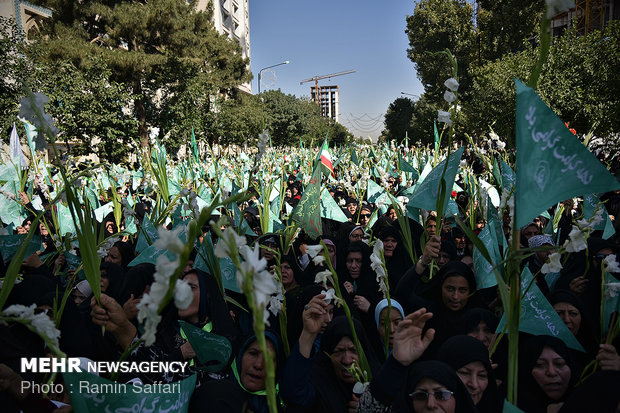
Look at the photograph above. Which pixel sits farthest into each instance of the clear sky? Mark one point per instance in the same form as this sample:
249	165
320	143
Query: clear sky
320	37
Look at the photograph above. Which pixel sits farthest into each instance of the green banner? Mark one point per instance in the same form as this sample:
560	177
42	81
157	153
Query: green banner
425	194
552	164
485	275
308	212
538	316
9	244
212	351
93	394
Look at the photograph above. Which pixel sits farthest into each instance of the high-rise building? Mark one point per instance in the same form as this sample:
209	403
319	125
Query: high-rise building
328	100
232	18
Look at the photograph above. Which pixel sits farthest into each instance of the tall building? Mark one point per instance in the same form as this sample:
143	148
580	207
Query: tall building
232	18
328	100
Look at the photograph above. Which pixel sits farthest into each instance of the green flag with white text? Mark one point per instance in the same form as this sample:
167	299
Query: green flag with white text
90	393
552	164
538	316
308	211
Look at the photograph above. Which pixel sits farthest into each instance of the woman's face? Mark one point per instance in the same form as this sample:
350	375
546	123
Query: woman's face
253	372
288	276
475	377
530	231
354	264
389	245
191	313
78	297
455	292
342	358
570	315
114	256
483	333
356	235
428	387
395	318
331	250
552	374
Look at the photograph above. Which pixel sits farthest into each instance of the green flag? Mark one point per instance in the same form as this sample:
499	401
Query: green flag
308	212
9	244
508	176
437	139
590	203
148	235
510	408
354	158
330	209
552	164
538	316
405	166
212	351
194	146
90	393
485	275
497	173
425	194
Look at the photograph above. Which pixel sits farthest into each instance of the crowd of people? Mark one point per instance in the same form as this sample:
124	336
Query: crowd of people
432	346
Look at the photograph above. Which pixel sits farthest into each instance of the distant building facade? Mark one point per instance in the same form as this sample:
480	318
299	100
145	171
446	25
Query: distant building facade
232	19
328	100
28	17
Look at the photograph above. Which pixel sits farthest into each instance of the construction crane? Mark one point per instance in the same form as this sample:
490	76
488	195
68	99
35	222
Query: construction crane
316	82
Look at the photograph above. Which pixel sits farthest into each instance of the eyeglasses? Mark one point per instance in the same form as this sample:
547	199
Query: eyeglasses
422	395
365	215
600	256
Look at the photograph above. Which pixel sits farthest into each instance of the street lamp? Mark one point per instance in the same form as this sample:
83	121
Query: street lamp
269	67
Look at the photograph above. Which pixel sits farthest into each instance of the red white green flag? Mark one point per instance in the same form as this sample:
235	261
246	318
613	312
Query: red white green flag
326	158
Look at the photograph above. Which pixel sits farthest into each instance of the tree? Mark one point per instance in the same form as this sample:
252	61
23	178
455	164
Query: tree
166	51
437	25
88	109
14	68
578	82
398	120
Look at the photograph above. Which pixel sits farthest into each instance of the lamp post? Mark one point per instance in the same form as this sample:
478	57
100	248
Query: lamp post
269	67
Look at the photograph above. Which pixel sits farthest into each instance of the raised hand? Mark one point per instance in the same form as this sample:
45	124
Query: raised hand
409	340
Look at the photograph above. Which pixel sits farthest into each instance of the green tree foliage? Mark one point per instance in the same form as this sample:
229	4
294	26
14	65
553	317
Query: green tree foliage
166	51
437	25
579	82
291	118
14	68
89	110
503	27
398	120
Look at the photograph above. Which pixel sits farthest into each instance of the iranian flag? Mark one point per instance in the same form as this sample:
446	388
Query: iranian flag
326	158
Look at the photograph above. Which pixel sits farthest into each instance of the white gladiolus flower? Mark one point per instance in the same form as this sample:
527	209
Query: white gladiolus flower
554	264
610	264
577	241
501	145
330	295
275	303
40	322
183	295
314	250
164	268
594	220
444	117
169	240
612	290
318	260
449	96
322	277
452	84
229	237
